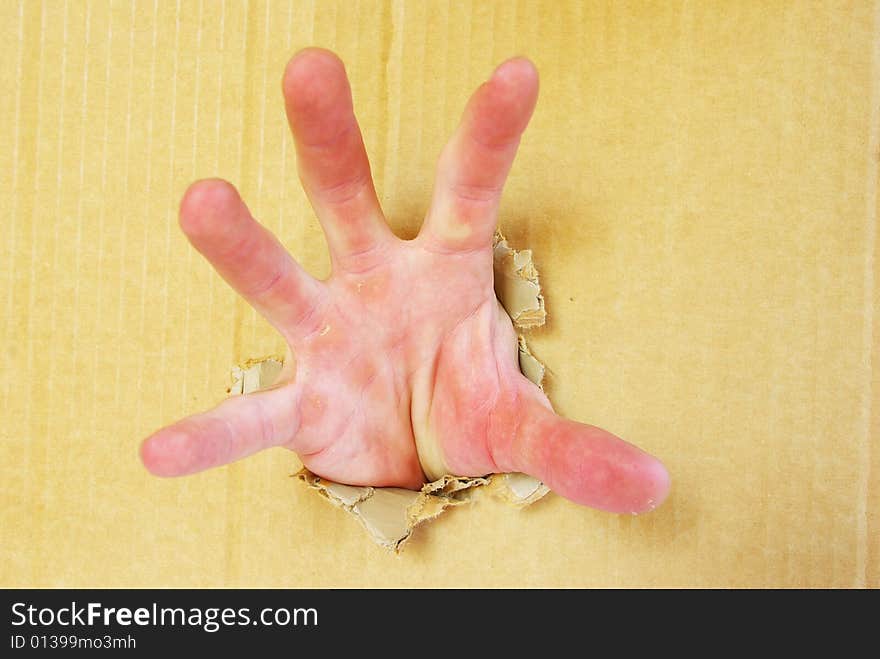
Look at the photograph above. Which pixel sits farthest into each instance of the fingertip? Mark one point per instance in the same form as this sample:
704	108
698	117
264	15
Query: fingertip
519	72
149	457
310	78
203	203
625	480
655	485
501	108
166	454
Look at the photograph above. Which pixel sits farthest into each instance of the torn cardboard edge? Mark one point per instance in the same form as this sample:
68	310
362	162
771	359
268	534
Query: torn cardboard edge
255	374
390	514
517	285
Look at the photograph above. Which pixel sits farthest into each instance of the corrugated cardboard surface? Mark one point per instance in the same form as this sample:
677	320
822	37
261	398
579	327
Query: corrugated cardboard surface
699	186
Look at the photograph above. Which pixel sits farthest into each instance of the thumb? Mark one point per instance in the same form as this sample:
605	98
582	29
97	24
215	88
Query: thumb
583	463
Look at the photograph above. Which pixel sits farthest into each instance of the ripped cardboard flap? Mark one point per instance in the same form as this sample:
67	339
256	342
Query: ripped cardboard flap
517	285
389	514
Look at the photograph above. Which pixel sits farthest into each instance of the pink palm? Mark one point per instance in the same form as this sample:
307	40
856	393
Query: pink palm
406	365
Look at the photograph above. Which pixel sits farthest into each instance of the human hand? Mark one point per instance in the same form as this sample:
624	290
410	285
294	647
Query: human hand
406	364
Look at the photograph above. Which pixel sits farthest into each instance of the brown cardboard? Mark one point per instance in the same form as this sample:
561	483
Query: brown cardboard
255	374
529	364
389	514
517	285
699	184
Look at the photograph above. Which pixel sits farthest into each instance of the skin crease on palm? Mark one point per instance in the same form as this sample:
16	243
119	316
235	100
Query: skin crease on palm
406	365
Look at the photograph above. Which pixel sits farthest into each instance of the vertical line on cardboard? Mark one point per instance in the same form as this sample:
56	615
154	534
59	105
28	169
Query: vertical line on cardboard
184	45
184	367
28	466
239	304
284	137
13	214
487	44
163	353
123	231
262	139
99	259
212	280
377	148
44	490
686	31
869	346
262	66
12	362
148	202
467	17
872	576
446	77
395	78
415	32
392	57
73	401
102	215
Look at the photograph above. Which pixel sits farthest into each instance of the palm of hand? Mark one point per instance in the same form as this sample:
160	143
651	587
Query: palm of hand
406	364
417	352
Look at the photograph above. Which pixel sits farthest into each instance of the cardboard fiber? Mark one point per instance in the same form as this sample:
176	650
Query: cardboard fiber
699	183
389	514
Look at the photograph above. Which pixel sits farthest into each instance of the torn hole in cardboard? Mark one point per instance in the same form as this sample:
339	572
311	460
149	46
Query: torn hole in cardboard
389	514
